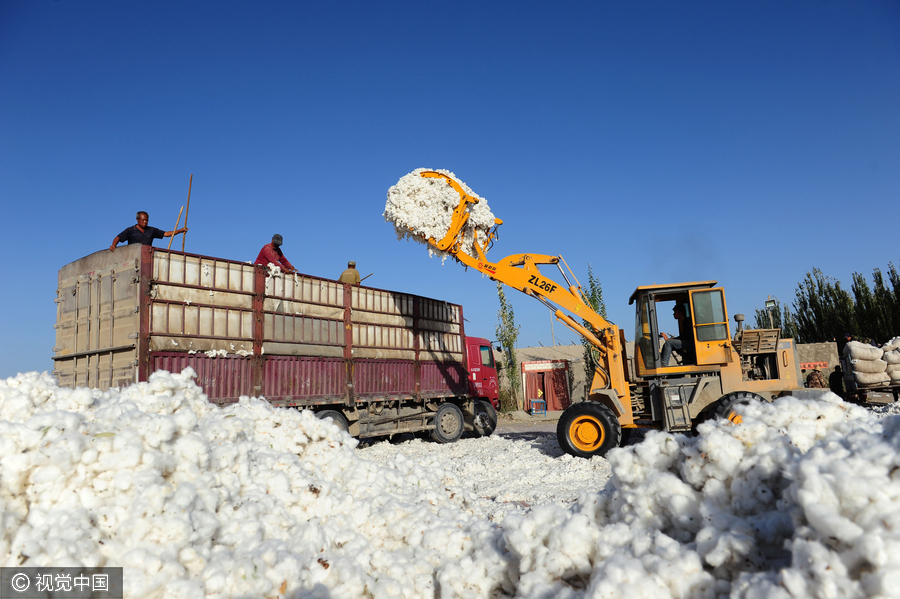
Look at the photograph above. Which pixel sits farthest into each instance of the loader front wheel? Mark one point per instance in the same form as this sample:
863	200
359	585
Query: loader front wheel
587	429
726	404
448	423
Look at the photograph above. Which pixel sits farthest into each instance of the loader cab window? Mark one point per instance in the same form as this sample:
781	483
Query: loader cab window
643	333
710	322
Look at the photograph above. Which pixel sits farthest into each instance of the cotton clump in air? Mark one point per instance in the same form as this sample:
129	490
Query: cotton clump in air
422	207
800	500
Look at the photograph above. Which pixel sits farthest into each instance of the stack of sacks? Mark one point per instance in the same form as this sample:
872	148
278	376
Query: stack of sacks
892	358
866	364
422	207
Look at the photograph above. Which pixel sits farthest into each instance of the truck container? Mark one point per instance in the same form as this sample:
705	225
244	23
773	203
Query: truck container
377	362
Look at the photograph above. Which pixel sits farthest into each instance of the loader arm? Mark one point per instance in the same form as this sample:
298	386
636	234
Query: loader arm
522	272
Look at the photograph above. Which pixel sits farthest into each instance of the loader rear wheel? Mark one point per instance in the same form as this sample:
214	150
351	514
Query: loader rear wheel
339	419
726	404
485	419
587	429
448	423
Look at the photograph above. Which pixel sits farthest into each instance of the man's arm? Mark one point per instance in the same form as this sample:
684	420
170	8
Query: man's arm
115	242
287	266
175	232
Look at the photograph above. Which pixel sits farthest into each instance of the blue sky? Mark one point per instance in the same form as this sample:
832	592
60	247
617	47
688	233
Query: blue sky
656	141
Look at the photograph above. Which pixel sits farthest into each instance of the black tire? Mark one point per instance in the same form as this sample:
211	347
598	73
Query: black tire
485	421
448	423
726	404
587	429
339	419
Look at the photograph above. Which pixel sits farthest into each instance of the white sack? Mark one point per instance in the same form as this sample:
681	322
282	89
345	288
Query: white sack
423	207
892	344
892	368
895	375
871	378
862	351
868	365
892	357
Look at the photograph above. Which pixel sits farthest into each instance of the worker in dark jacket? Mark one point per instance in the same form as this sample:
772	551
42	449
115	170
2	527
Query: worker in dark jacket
351	275
142	233
271	254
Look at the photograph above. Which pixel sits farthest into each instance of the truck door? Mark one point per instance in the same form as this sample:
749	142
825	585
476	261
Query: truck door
711	338
483	371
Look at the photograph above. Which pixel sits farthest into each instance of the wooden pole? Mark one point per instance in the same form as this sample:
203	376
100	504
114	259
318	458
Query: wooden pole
184	235
172	238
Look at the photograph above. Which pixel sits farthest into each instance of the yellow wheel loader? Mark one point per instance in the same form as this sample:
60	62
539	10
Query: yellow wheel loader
712	374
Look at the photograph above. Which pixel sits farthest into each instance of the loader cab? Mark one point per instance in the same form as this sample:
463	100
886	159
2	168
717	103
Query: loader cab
705	308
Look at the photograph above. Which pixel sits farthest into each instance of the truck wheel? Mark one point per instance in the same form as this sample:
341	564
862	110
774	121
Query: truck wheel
725	405
448	423
485	419
339	419
587	429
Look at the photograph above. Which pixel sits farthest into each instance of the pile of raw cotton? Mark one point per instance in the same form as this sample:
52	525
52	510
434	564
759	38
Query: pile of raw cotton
422	207
866	363
802	499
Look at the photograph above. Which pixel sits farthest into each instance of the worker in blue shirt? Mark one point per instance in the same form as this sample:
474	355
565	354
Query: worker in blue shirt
142	232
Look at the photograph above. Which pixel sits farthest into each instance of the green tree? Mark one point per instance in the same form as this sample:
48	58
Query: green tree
593	297
823	309
507	334
781	319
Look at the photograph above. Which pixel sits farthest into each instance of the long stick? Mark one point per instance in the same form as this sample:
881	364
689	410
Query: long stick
184	235
172	238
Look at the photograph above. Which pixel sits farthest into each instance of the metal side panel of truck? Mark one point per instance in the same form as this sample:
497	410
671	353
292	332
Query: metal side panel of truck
297	340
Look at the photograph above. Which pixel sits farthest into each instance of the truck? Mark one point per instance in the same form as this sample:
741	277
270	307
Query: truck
377	362
640	392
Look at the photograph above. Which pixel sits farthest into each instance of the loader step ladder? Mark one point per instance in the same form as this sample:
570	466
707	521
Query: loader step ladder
757	341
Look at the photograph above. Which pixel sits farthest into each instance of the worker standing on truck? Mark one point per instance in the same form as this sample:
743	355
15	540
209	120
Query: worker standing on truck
271	254
684	342
142	233
351	275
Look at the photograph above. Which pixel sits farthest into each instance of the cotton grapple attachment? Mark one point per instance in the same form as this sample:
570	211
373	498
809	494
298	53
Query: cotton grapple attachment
452	242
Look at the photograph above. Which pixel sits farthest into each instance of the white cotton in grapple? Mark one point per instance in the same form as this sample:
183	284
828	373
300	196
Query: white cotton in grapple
422	207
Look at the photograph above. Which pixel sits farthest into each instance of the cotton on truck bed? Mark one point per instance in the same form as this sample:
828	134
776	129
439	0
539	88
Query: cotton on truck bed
377	362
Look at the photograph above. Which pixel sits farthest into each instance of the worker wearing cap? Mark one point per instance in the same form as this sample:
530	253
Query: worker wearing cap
351	275
271	254
142	232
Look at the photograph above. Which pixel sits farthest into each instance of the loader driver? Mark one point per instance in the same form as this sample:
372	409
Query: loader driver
271	254
684	342
142	233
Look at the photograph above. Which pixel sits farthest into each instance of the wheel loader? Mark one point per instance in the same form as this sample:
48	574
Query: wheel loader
627	393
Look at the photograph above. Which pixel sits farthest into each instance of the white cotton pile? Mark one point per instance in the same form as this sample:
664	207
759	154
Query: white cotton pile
422	207
800	500
866	364
197	501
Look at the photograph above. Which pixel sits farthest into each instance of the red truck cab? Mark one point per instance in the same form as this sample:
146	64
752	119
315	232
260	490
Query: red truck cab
483	381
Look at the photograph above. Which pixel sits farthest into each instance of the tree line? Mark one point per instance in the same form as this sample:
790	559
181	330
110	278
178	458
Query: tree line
823	310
